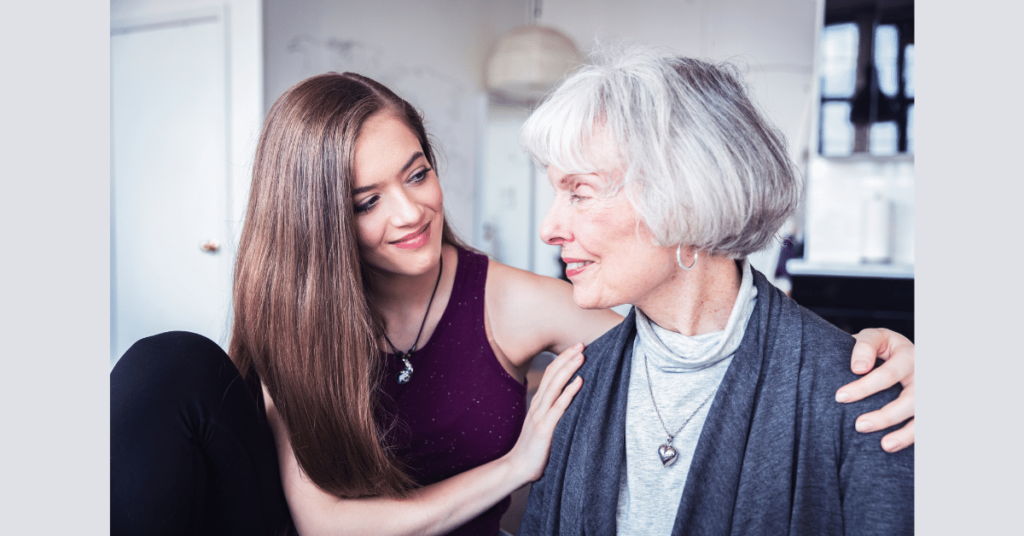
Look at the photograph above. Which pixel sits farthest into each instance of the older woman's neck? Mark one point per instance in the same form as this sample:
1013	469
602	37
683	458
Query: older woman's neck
697	301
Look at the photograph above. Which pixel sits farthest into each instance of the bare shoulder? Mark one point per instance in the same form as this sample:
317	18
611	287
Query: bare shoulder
539	296
523	284
531	313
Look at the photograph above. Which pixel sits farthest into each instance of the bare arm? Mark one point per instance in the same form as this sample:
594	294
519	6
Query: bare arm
443	506
898	352
531	313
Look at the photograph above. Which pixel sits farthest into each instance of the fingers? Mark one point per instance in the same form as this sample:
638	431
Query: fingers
562	402
883	343
898	368
870	344
556	375
891	414
547	407
900	439
883	377
901	352
898	352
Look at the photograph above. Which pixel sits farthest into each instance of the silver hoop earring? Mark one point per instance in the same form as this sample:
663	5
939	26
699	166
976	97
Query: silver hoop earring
679	261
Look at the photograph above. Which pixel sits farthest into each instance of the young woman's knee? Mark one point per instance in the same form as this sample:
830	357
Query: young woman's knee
170	365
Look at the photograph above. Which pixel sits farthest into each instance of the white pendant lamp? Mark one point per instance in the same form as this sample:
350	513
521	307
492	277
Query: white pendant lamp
528	61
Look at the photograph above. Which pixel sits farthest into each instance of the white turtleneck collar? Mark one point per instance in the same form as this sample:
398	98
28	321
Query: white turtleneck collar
673	352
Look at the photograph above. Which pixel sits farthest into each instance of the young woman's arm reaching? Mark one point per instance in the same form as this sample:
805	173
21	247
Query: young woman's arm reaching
443	506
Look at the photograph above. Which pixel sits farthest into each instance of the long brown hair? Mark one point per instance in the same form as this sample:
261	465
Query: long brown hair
302	319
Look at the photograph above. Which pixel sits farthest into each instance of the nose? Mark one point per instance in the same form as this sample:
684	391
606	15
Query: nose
405	209
553	229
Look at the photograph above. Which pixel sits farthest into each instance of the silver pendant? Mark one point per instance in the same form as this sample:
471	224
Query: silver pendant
405	375
668	455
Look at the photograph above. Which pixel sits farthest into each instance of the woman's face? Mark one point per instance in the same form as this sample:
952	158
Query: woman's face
610	254
397	199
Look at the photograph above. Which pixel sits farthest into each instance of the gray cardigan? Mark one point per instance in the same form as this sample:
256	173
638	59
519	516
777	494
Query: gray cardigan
777	454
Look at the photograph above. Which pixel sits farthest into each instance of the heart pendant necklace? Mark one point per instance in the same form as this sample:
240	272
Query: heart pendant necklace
406	374
666	451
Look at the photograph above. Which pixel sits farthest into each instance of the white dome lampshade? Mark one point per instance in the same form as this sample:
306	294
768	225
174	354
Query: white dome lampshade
528	61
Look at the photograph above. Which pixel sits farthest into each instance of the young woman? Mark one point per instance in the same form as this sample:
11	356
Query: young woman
389	358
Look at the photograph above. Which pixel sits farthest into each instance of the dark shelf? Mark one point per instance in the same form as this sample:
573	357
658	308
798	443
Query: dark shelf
855	303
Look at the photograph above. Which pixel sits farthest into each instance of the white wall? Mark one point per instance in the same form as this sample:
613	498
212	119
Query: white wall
245	67
430	52
773	40
505	192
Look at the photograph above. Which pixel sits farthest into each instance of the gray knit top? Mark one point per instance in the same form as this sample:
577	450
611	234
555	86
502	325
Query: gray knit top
684	373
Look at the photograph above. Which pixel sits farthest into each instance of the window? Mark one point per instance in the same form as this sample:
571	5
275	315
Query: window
867	79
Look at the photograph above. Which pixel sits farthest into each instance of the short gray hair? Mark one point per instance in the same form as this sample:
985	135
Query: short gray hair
702	166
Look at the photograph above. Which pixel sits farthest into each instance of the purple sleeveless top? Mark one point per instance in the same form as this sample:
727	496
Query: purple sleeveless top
461	409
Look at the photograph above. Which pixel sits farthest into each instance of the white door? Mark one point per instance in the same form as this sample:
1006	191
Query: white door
169	179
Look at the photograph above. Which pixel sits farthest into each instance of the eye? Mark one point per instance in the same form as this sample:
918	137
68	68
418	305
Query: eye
579	192
419	176
367	205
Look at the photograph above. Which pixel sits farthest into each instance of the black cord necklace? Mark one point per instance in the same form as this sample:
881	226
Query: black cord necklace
406	375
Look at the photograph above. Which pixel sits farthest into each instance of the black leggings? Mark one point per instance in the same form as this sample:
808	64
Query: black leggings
190	448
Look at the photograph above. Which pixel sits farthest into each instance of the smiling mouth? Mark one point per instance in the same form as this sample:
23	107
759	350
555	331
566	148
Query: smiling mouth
575	267
414	240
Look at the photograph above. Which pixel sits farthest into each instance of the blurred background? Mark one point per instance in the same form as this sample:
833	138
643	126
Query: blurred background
191	81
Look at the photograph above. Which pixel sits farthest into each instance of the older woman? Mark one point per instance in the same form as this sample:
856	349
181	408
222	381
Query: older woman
711	409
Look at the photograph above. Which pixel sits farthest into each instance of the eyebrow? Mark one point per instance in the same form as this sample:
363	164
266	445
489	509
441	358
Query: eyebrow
566	179
361	189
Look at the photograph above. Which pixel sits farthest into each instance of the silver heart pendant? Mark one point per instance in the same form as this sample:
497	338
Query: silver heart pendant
668	455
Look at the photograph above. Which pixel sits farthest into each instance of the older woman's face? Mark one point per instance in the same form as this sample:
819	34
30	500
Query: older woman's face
610	255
